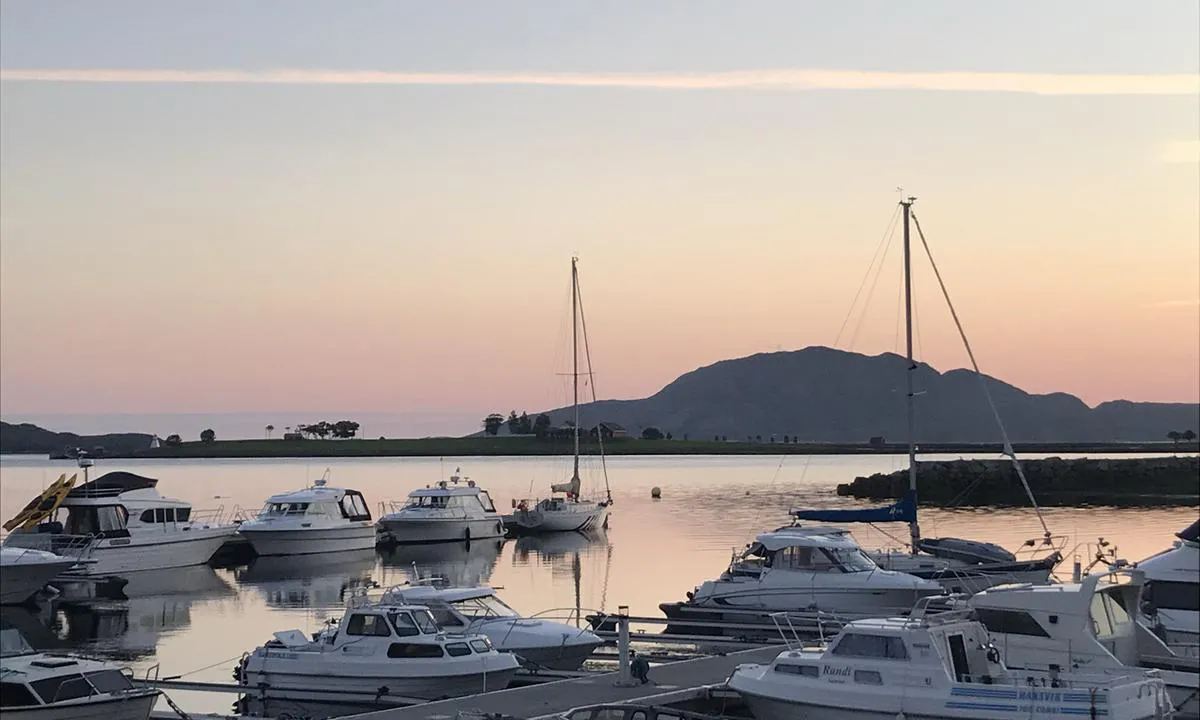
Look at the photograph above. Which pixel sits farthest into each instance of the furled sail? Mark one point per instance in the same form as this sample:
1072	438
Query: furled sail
571	487
903	510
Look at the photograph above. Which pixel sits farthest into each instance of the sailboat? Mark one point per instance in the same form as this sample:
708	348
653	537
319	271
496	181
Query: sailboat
957	564
568	512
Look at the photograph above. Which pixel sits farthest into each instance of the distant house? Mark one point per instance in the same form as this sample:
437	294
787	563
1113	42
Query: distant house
877	442
609	431
292	436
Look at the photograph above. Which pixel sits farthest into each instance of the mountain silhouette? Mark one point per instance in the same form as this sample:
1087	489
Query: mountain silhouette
819	394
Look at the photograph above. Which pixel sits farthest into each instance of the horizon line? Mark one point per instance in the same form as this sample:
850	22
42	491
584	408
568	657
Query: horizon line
781	79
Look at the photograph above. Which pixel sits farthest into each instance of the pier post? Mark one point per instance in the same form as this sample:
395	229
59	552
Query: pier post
626	677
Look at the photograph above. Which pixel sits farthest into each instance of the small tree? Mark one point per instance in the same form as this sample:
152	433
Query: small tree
492	423
270	429
652	433
1188	435
524	424
173	439
208	436
669	436
541	425
513	422
1175	436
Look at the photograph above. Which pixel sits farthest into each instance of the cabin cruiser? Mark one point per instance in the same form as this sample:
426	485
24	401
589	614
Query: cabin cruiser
931	667
122	523
478	610
456	509
37	686
1085	626
316	519
1173	592
801	569
377	653
25	571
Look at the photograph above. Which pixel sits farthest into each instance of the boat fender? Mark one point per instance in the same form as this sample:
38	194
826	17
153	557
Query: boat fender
467	534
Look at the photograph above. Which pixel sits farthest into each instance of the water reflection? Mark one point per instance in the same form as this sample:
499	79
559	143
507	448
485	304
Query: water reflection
121	618
292	710
320	580
460	564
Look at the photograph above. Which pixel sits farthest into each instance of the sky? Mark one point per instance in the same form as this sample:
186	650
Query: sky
228	207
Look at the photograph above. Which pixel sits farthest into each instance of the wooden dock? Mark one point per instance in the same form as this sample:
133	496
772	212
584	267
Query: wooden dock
677	678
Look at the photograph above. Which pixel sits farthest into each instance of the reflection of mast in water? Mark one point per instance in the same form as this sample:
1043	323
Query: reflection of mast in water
554	549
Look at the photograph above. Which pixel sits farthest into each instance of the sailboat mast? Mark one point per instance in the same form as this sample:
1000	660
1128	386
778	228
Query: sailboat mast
914	527
575	358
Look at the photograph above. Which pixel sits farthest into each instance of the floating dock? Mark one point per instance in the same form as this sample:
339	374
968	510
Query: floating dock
672	682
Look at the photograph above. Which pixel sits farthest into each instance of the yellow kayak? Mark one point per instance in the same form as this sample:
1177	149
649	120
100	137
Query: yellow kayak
43	505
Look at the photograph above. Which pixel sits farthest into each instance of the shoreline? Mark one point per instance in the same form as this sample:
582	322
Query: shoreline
533	447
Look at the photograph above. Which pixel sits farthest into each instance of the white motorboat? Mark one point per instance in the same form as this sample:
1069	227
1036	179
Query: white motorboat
479	610
800	570
1173	592
377	653
933	668
449	511
121	523
316	519
25	571
37	686
1087	627
959	565
567	512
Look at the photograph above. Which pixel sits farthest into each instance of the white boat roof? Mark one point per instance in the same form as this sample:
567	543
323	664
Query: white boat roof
818	536
443	490
417	593
316	493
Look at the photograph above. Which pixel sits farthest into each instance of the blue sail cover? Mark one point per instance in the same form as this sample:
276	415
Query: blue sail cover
904	510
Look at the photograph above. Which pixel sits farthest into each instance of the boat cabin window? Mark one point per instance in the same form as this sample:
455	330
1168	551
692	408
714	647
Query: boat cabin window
428	501
109	681
481	645
457	649
324	509
12	643
412	650
789	669
884	647
285	508
445	617
165	515
1108	617
92	520
1010	622
354	507
62	687
815	559
369	625
16	694
1166	595
483	607
486	501
868	677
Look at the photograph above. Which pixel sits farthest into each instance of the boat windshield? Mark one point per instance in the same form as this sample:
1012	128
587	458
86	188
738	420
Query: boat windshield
488	606
12	643
285	508
852	559
427	501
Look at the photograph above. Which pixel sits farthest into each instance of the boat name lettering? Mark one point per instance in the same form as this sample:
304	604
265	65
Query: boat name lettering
836	671
1039	696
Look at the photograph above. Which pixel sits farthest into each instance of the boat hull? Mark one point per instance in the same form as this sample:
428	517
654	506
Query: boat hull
331	684
958	577
21	581
580	517
440	530
134	706
556	657
268	542
143	551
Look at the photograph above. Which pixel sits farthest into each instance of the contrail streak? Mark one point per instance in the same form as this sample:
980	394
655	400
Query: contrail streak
770	80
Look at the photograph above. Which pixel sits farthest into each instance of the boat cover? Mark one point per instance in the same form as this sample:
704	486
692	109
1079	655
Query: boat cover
903	510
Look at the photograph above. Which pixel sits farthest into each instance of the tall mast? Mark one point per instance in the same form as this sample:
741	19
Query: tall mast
914	527
575	358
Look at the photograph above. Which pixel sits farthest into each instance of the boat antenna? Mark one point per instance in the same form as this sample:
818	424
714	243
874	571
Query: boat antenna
914	527
1008	448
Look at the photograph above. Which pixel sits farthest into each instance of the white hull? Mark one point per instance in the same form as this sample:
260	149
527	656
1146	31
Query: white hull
169	550
137	707
363	685
19	582
578	517
864	600
552	657
309	541
447	530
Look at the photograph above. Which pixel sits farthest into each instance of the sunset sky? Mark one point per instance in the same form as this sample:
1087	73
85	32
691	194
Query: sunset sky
224	206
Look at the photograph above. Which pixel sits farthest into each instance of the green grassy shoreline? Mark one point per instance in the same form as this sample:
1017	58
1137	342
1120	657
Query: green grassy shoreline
529	446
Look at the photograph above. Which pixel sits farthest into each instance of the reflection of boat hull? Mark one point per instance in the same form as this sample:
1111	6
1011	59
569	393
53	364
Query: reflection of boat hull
311	541
406	531
137	705
316	580
459	564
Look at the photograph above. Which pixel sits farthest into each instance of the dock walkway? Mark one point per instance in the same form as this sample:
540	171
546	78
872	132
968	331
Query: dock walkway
557	697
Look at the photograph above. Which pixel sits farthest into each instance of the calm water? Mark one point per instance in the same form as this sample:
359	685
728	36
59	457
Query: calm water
197	622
